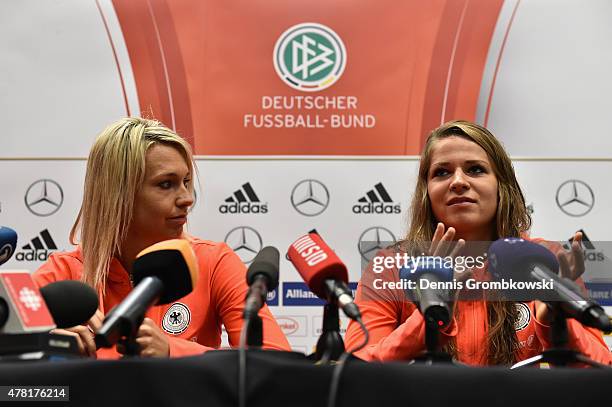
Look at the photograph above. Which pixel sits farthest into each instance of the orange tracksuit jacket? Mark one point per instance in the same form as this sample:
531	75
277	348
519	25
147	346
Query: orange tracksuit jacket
397	329
193	323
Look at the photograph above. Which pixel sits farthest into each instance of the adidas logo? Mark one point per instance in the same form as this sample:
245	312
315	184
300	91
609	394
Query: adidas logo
377	201
37	249
244	200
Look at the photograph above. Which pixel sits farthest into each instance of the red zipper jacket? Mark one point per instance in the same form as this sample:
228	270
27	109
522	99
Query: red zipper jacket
397	328
193	323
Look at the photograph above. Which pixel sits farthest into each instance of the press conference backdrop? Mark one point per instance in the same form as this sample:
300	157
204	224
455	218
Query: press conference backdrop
307	114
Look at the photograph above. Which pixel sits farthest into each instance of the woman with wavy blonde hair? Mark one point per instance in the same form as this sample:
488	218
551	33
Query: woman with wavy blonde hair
138	192
466	191
115	171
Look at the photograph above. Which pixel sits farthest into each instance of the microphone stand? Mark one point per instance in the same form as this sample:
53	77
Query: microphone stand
330	345
559	355
432	354
254	335
251	336
253	323
131	347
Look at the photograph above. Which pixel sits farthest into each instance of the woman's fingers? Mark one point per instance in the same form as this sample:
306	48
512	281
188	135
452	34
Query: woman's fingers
571	264
84	338
578	256
75	335
445	243
438	233
95	322
152	341
87	336
442	242
458	248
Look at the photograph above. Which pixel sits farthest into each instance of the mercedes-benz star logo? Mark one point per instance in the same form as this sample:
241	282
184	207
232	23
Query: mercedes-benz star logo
374	239
310	197
245	241
44	197
575	198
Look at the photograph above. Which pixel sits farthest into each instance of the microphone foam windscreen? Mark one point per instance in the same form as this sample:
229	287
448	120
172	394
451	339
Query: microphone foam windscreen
513	256
70	302
266	262
427	264
316	262
173	262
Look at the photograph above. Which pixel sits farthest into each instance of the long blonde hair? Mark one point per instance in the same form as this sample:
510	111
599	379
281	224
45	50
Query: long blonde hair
115	172
512	220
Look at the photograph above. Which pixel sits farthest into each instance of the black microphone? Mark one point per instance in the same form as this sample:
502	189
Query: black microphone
514	258
262	277
70	302
27	313
162	273
433	303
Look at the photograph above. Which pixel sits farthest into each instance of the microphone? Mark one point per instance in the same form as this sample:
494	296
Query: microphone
324	273
22	308
162	273
531	262
432	302
70	302
262	277
27	314
8	243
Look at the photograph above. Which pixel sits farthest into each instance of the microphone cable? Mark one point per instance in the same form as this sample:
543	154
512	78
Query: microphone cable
342	361
242	364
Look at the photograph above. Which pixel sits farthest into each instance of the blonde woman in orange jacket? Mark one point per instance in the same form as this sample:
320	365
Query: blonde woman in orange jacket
138	191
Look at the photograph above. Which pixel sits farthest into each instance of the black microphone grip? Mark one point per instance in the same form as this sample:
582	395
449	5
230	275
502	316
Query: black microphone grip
433	307
572	303
130	312
337	291
256	297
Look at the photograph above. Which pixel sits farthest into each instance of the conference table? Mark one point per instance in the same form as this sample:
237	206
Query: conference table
290	379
